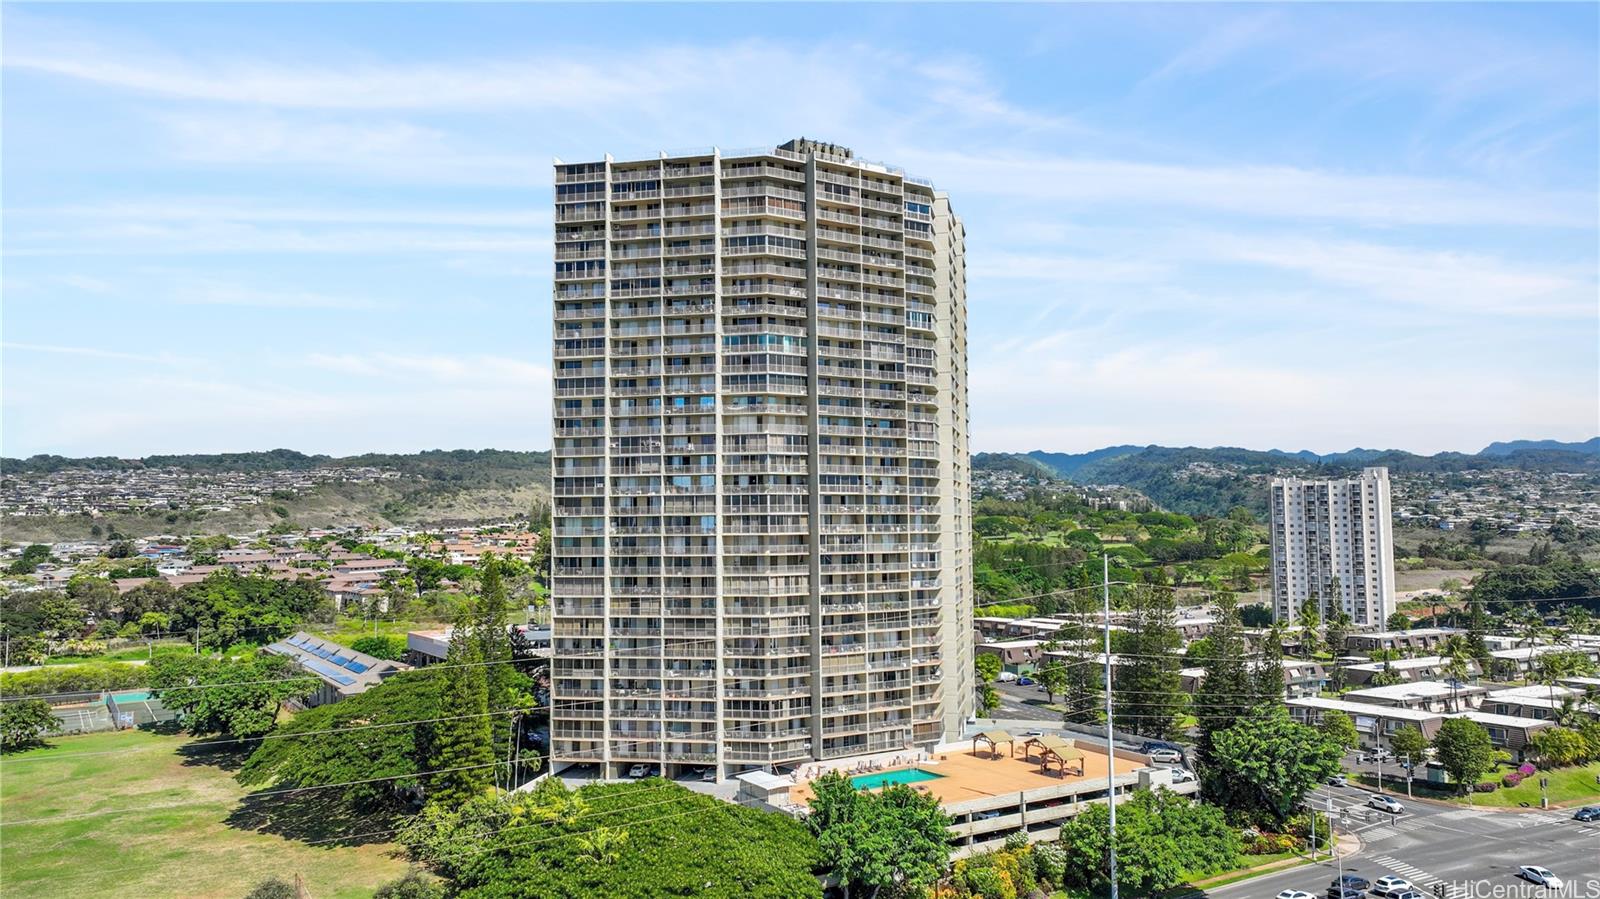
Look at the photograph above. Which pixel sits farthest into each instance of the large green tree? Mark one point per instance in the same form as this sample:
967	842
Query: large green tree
1463	747
379	742
24	723
1267	763
1408	741
896	838
463	753
1148	695
238	697
641	840
1163	840
1228	690
494	646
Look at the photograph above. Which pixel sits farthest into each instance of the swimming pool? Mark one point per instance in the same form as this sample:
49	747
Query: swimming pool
133	696
890	778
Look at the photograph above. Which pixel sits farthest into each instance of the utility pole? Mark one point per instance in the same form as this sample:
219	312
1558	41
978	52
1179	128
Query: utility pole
1405	763
1111	767
1313	810
1333	840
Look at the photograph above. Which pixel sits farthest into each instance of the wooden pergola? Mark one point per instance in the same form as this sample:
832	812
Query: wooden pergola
1054	751
994	738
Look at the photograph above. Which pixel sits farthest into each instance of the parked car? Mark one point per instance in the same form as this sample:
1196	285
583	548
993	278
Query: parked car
1353	882
1410	894
1182	775
1391	886
1024	681
641	770
707	773
1587	813
1541	876
1007	677
1166	756
1338	892
1149	746
1295	894
1338	780
1386	804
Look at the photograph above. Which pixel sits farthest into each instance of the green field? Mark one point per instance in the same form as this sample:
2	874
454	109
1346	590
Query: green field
1568	786
135	817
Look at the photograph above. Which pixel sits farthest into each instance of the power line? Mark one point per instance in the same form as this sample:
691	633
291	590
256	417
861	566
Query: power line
282	792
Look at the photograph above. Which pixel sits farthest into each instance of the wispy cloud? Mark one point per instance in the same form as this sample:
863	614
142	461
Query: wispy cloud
1218	45
1282	192
1445	281
90	352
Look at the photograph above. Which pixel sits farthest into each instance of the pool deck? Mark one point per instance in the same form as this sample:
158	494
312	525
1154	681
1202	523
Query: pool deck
966	776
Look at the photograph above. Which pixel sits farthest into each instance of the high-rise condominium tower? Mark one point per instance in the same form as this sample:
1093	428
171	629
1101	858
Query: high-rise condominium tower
1333	543
761	526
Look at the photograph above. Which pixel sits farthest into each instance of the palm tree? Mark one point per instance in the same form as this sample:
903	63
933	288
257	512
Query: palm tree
1552	667
1457	654
1528	625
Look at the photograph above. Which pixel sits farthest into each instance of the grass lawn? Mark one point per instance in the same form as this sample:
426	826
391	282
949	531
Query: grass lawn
1568	786
141	819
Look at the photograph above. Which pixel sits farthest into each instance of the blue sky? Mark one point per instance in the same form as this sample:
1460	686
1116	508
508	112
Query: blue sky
232	227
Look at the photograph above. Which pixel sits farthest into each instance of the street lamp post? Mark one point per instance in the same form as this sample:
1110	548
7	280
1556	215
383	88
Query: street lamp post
1111	766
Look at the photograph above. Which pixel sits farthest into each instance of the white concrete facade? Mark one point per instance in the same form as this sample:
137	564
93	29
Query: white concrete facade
1333	529
761	539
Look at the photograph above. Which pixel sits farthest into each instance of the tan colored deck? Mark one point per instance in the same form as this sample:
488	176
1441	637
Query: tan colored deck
968	776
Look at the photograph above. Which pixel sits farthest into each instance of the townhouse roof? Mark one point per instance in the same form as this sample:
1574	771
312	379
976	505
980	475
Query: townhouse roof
1489	718
1421	690
1362	708
1400	664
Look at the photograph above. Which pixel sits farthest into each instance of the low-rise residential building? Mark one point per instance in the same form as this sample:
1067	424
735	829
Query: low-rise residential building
1375	723
1524	659
1422	638
1538	702
1426	696
1508	732
1421	668
1016	656
1300	678
341	671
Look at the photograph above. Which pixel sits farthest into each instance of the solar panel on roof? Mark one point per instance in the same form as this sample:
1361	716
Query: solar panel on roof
356	666
322	668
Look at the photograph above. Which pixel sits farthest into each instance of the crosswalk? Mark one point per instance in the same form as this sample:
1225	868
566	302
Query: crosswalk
1418	877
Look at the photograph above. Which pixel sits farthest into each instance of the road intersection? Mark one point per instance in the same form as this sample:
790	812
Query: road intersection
1472	853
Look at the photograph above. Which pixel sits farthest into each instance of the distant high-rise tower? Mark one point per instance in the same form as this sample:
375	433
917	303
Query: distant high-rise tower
761	544
1333	542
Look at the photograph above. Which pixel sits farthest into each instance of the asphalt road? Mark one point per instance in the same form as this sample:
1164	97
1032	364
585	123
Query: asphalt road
1025	703
1475	853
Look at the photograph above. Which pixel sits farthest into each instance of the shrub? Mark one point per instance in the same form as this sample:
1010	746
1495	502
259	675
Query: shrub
382	646
1050	860
1487	786
87	678
1511	780
1525	769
